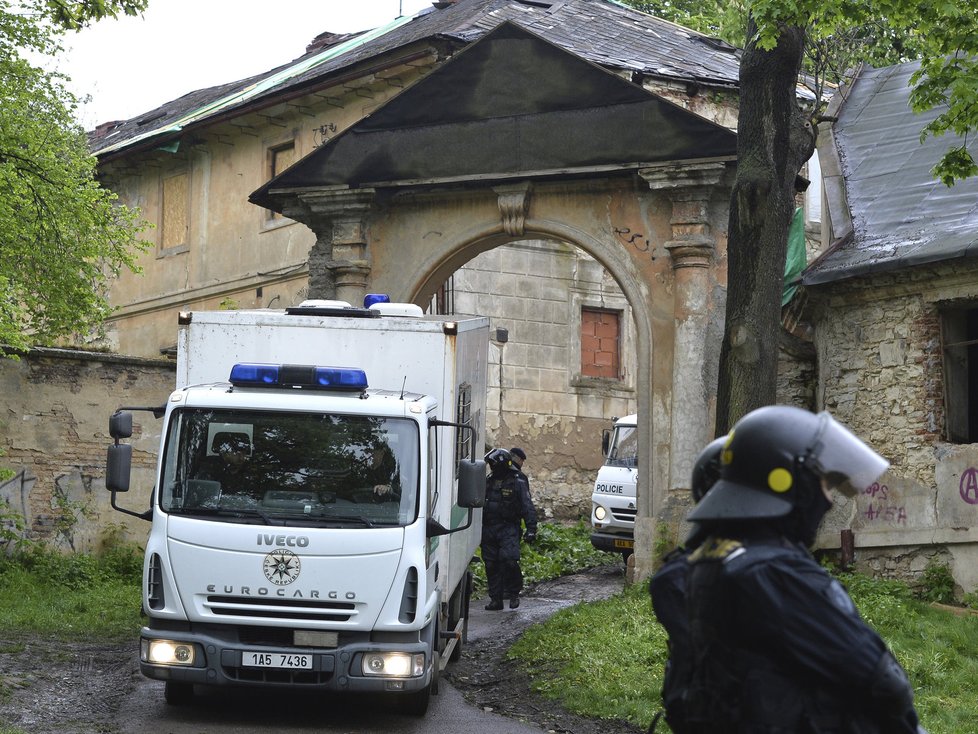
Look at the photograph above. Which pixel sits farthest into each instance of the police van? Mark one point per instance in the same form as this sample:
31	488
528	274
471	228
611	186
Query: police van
613	507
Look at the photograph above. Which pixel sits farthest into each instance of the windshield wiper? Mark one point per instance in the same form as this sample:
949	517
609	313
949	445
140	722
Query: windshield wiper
339	517
227	512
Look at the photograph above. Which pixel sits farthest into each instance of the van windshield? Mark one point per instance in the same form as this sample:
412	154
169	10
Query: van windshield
279	468
624	447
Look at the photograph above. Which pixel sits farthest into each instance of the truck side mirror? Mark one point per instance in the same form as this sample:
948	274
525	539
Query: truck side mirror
118	466
605	442
120	425
471	483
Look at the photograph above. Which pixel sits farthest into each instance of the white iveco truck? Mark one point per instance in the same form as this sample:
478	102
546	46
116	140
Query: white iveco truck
316	500
613	505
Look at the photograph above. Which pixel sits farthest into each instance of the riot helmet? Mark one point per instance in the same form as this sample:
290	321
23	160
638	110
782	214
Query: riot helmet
774	459
499	460
706	468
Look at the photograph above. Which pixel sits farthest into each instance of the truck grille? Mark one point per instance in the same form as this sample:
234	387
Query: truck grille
287	677
284	609
624	514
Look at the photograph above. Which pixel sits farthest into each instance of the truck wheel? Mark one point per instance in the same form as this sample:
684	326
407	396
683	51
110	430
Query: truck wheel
178	693
416	702
464	614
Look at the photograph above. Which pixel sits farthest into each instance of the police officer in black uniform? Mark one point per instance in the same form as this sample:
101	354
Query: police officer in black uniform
777	644
508	506
668	591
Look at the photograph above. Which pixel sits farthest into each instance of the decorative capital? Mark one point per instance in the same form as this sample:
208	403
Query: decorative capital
694	252
514	202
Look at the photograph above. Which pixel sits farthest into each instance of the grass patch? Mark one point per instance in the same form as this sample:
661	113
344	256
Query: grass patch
558	550
72	596
605	659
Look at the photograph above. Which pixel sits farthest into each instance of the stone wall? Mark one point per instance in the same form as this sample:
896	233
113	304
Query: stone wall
54	434
880	371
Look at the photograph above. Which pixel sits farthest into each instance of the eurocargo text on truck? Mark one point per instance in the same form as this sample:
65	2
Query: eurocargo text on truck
613	505
316	501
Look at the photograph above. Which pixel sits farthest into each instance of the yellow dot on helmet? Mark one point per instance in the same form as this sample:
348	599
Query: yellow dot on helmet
779	480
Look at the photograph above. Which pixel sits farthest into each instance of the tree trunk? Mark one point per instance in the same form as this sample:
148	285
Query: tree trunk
774	140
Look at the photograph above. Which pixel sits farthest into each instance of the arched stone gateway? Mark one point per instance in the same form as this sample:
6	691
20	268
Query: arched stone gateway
517	139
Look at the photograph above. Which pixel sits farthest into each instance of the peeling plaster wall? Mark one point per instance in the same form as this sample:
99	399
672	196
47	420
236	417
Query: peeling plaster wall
537	397
54	434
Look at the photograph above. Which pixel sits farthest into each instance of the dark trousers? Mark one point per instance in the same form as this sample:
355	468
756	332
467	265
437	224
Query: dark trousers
501	555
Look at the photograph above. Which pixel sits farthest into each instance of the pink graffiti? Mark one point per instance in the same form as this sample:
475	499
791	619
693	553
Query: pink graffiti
968	487
886	513
877	491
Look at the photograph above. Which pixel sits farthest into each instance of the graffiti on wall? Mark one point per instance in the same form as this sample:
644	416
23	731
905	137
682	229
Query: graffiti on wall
882	505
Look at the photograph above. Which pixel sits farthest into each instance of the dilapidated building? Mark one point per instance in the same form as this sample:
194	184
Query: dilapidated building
893	302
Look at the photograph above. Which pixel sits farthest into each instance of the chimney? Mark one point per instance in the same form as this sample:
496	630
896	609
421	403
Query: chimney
442	4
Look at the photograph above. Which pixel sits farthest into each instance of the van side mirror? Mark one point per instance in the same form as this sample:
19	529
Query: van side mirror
471	483
605	442
120	425
118	467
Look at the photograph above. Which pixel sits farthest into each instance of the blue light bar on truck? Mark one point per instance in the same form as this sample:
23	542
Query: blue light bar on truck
298	375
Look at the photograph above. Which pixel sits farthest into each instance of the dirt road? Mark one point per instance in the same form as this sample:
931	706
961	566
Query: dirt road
47	687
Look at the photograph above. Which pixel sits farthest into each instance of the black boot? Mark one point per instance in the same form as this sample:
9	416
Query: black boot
494	605
514	602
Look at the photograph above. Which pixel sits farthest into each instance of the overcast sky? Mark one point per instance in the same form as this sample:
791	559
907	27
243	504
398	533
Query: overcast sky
133	65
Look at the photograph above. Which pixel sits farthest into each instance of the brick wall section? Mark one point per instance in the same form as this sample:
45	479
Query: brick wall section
54	434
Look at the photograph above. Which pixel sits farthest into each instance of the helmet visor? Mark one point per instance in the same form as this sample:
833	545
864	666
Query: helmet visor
837	454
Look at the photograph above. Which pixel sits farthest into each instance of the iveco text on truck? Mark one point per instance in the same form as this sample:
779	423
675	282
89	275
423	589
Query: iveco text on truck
613	506
316	501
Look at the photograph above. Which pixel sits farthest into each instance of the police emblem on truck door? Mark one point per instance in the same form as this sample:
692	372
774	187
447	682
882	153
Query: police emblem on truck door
281	567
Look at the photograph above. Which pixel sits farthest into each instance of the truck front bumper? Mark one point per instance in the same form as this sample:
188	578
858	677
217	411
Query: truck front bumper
220	658
613	542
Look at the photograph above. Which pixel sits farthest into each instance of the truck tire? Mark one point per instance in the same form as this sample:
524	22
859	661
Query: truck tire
178	693
416	702
466	597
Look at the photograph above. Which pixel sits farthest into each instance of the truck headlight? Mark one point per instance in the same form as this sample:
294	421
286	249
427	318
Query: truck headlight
600	513
393	664
167	652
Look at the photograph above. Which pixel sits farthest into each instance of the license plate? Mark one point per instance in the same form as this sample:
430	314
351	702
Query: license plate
624	543
251	659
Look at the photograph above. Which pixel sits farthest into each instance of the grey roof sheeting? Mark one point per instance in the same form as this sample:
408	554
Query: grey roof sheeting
601	31
511	104
901	215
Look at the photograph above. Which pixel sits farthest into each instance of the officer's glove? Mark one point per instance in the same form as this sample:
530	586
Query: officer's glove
530	536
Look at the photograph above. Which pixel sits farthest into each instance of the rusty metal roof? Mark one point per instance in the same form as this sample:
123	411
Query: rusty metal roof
510	105
604	32
900	215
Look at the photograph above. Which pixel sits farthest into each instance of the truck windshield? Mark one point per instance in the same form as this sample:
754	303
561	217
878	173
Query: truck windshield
291	468
624	447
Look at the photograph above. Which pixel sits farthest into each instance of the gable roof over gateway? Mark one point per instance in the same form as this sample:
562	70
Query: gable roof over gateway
604	32
510	105
887	209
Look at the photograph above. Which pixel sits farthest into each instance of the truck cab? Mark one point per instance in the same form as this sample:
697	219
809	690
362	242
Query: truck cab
613	501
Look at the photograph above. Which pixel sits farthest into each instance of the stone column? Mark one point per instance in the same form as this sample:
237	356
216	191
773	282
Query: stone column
339	262
692	248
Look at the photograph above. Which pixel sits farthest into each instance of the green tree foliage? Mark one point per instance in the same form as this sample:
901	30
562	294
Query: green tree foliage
62	236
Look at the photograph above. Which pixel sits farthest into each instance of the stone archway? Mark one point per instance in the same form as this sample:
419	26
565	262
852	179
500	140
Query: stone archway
392	214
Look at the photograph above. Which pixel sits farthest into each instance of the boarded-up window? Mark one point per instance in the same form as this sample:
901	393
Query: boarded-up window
600	343
960	335
175	218
280	157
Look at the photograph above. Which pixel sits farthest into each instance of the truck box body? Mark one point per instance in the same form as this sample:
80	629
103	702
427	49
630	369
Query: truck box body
297	569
